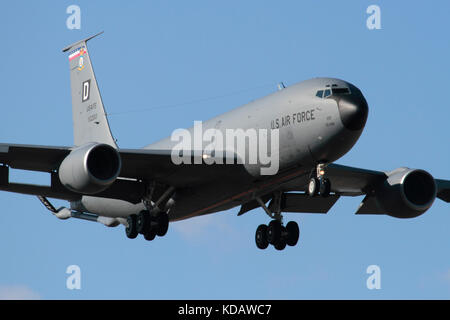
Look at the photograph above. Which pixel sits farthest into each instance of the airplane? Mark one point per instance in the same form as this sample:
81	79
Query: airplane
317	121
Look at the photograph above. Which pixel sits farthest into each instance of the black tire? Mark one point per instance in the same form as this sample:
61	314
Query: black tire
162	224
281	244
293	233
274	232
143	222
131	230
149	235
261	237
313	187
325	188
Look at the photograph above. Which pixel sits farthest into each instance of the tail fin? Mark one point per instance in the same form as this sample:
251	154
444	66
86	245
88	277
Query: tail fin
90	123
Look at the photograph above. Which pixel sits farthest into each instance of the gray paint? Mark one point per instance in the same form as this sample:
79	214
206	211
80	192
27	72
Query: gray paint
90	123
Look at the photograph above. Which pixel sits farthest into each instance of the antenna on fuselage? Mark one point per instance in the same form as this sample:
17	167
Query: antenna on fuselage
281	85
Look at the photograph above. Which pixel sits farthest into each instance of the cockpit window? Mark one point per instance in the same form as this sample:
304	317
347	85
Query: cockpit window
340	91
333	91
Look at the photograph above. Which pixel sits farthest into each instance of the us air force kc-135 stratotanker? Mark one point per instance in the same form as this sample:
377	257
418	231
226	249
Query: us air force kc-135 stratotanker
317	121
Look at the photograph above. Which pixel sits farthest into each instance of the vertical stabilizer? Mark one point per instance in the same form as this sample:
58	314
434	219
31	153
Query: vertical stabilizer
90	123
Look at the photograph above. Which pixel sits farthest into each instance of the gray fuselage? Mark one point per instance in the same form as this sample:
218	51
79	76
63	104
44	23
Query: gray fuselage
312	130
318	121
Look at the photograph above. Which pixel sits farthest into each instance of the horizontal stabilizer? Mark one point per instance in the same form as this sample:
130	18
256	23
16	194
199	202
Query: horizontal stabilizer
80	42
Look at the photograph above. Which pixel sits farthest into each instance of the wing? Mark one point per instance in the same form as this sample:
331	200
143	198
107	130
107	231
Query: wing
32	157
137	165
350	181
346	181
356	181
158	165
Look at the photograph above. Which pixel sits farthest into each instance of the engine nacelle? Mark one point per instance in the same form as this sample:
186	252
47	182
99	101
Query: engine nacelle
407	193
90	169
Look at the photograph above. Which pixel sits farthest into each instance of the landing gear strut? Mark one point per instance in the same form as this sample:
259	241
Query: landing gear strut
276	233
319	184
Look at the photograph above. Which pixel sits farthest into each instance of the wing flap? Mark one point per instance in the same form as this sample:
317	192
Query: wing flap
300	202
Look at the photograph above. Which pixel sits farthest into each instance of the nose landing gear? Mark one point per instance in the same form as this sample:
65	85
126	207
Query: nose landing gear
319	184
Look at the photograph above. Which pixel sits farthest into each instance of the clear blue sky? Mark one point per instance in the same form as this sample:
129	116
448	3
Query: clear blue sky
159	53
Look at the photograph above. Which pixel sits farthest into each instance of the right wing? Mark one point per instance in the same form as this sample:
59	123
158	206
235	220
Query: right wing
137	165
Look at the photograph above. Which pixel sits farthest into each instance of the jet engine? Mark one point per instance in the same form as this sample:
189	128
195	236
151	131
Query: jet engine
407	193
90	168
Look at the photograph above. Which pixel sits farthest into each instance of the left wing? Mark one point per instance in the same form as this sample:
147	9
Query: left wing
351	181
356	181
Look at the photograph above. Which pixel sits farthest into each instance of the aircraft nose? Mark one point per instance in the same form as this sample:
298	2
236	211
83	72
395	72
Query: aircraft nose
353	110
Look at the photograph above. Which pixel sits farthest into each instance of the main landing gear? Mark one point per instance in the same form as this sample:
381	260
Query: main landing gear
319	184
154	221
148	225
275	233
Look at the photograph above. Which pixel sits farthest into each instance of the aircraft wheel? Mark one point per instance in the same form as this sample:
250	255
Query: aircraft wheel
281	244
325	188
274	232
313	187
293	233
149	235
131	230
143	222
162	224
261	237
